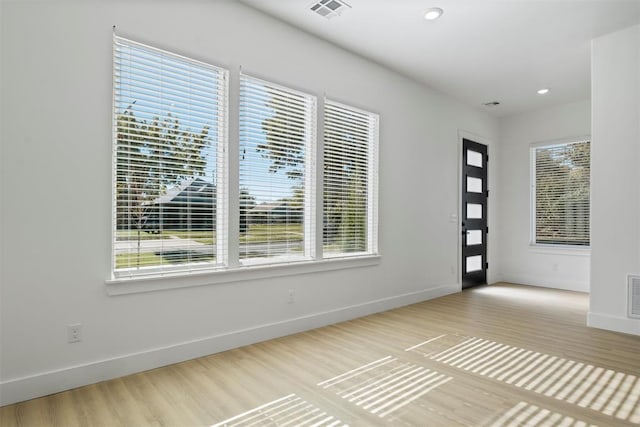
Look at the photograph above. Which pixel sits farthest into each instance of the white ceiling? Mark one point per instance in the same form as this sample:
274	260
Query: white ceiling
479	50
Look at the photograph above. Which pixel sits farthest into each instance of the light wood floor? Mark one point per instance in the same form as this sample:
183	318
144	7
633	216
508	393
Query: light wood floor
501	355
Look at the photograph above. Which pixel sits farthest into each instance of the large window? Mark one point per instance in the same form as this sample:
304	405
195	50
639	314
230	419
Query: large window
169	131
561	193
350	178
277	149
172	176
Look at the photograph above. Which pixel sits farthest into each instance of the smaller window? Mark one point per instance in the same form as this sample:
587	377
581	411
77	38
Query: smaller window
350	181
561	193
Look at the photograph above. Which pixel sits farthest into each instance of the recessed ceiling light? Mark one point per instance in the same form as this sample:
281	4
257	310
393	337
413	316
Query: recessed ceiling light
433	14
543	91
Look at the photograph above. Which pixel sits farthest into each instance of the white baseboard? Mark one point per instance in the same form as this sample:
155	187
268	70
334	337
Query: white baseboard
567	285
613	323
42	384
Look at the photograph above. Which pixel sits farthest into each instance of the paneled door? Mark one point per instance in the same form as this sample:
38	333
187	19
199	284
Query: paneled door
474	213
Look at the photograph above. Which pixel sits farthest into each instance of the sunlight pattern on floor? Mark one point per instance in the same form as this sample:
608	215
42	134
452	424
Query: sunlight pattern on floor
437	344
612	393
290	410
526	414
385	385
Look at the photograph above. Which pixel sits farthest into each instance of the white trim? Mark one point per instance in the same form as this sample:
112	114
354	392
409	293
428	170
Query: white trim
560	141
568	250
318	250
232	222
114	148
532	193
141	284
373	185
613	323
222	178
310	188
19	389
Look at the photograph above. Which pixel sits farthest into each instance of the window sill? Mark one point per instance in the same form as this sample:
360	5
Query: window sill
560	250
134	285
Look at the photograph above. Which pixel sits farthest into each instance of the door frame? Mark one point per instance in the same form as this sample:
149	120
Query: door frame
463	134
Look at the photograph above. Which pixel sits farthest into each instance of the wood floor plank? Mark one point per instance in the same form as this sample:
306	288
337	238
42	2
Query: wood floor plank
500	355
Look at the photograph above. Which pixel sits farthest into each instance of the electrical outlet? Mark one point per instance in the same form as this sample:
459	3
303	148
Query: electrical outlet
292	296
74	332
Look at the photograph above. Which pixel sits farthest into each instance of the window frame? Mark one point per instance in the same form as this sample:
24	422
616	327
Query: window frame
372	180
309	178
545	247
221	121
228	185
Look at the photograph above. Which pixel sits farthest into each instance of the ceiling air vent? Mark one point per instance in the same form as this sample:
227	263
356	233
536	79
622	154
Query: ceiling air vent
329	8
634	296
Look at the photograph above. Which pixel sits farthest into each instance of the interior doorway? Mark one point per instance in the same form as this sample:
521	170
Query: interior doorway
474	213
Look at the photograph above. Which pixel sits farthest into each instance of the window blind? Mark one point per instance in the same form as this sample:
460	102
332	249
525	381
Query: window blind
350	180
277	145
562	191
169	131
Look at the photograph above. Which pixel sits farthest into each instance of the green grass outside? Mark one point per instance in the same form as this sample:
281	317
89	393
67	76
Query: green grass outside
207	237
273	233
256	233
150	259
147	259
343	248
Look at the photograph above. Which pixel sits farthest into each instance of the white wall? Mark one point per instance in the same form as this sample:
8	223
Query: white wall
520	261
615	234
56	192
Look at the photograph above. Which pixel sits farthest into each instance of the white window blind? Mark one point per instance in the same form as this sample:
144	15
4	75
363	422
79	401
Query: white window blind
169	133
561	193
350	181
277	145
